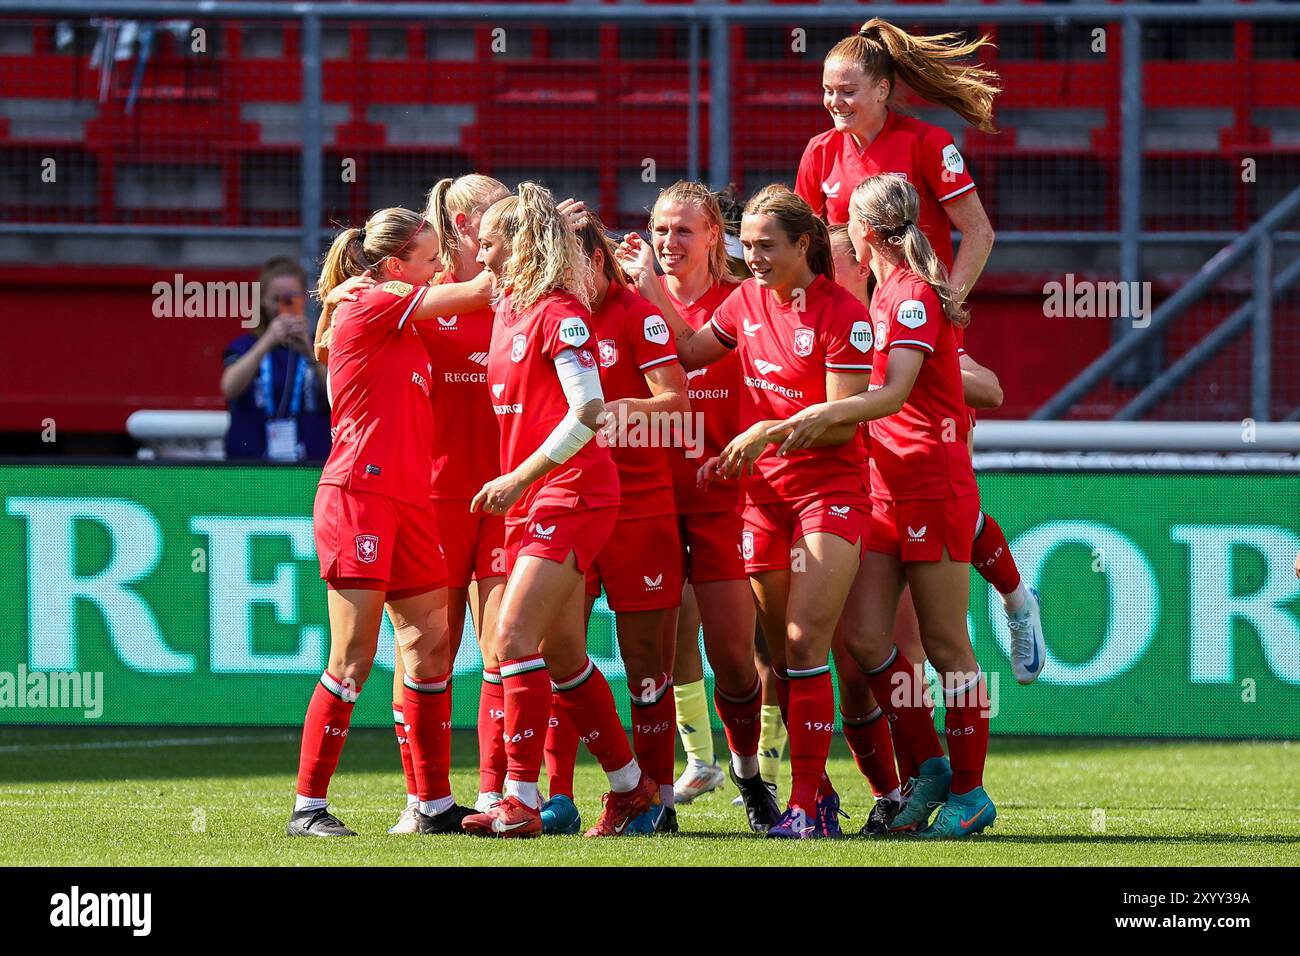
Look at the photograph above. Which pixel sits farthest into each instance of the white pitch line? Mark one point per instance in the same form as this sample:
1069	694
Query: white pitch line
143	744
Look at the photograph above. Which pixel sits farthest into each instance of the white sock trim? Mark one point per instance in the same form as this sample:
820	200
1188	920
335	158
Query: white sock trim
1016	599
951	692
432	808
524	791
745	765
625	778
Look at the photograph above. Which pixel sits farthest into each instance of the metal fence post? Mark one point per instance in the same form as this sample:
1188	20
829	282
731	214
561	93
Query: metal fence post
1261	346
693	106
719	101
1130	196
313	134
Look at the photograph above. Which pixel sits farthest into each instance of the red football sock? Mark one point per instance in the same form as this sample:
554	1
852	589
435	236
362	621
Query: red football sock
323	732
561	751
899	689
907	765
990	555
966	722
427	706
783	696
824	786
740	715
527	692
654	729
587	701
873	750
404	746
491	733
811	724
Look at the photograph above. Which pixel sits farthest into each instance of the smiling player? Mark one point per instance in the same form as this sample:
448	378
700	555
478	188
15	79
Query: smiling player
560	496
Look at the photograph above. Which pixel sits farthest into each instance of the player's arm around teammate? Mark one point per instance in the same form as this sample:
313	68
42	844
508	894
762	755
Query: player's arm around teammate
688	239
559	494
375	531
639	565
799	337
924	507
465	455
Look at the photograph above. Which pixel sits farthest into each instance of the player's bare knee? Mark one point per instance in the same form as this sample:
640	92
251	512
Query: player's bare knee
515	639
352	672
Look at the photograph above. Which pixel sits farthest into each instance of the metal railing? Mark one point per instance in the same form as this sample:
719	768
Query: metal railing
1255	314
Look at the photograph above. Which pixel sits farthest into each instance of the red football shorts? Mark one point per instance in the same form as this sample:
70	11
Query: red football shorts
772	528
922	529
473	542
372	541
711	546
640	565
552	533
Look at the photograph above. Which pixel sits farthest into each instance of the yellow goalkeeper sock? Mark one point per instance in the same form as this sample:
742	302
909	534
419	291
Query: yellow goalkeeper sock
771	743
693	721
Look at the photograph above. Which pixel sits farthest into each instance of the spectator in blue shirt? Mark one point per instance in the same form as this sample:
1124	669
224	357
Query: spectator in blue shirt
273	385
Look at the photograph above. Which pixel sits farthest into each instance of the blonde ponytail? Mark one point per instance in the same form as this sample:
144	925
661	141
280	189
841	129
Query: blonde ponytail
467	195
889	204
388	232
926	64
545	255
344	260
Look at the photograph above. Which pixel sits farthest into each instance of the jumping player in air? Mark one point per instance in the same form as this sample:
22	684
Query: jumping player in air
869	136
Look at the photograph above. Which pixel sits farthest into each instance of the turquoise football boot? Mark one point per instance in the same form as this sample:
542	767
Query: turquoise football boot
925	792
962	815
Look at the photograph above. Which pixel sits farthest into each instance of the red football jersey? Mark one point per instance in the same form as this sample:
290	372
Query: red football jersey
925	155
529	401
920	452
632	338
466	448
381	420
714	392
785	353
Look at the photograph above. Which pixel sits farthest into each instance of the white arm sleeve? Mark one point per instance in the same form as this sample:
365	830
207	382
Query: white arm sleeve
581	385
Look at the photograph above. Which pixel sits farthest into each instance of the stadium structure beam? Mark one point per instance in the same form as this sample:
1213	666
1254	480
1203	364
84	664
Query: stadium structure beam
693	104
1007	238
1130	188
313	118
1028	13
1218	266
1221	336
1141	437
719	101
1261	340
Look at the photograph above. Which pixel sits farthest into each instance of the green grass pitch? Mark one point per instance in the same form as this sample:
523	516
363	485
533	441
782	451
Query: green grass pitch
221	796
